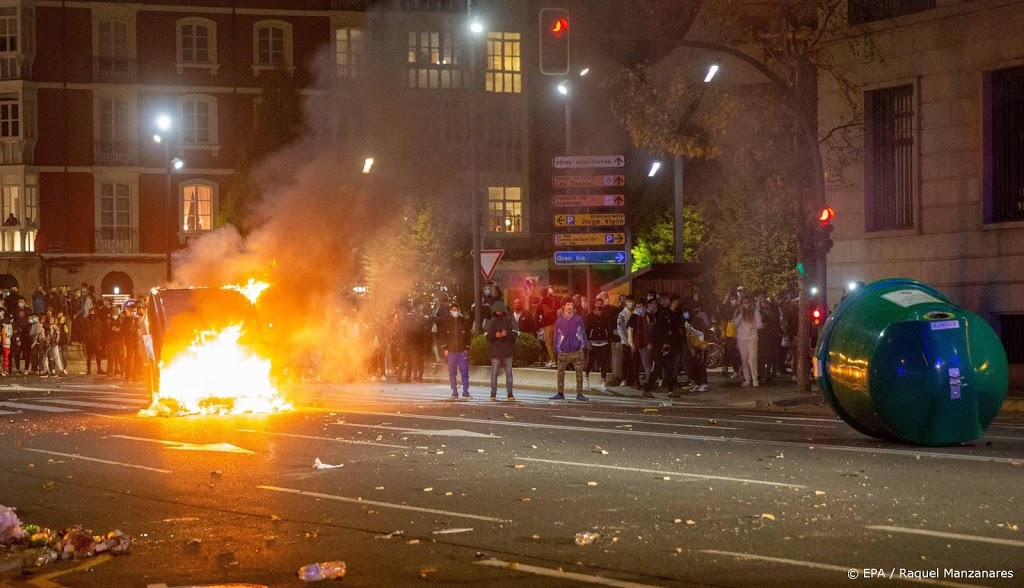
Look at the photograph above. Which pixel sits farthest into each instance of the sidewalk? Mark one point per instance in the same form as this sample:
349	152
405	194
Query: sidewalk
723	391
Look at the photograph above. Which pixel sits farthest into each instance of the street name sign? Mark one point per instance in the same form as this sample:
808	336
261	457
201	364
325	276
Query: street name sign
603	219
585	239
589	257
585	200
589	181
589	161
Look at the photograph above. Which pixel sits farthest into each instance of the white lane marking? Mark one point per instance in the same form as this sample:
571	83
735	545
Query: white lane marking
384	504
37	407
669	417
782	418
324	439
940	534
81	403
214	447
9	412
827	567
427	432
740	441
587	579
660	472
82	457
600	420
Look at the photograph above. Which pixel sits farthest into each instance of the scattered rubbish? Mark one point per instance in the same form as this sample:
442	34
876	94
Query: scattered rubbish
535	447
412	542
319	465
587	537
520	466
216	473
691	522
328	570
227	559
819	493
72	542
379	488
10	526
451	531
193	544
274	518
527	499
535	537
666	478
425	571
768	517
712	421
390	535
677	521
447	493
650	410
479	450
428	489
180	520
604	452
50	486
270	539
591	483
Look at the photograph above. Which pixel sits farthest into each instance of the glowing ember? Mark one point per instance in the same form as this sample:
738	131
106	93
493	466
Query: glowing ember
216	374
251	290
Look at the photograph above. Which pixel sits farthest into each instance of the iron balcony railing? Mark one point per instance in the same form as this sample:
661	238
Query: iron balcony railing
862	11
125	153
116	240
118	70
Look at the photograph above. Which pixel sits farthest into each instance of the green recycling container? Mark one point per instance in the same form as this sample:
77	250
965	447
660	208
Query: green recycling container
898	361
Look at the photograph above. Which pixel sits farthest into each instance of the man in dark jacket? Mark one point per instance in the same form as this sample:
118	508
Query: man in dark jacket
92	333
502	334
669	338
455	338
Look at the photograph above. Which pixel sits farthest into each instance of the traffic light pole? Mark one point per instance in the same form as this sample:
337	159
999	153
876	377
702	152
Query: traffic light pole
474	92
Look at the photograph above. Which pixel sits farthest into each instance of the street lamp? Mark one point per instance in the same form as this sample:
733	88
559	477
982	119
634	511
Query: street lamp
476	27
677	189
165	124
367	165
655	167
711	73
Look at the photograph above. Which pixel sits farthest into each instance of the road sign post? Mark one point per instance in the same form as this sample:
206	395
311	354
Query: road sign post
601	219
489	259
589	239
589	200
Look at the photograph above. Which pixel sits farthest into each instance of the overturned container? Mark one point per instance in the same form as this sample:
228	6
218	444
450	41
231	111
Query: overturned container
898	361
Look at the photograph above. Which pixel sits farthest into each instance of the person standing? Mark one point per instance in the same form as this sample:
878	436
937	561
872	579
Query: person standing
599	334
570	341
92	332
455	339
502	334
114	342
622	320
547	317
748	322
730	352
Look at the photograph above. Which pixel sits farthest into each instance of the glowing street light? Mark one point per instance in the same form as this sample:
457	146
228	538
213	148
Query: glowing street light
814	290
157	138
177	163
654	169
711	73
563	89
163	122
584	71
367	165
476	26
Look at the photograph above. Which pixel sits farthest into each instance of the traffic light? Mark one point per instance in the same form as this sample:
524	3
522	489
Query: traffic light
554	41
817	316
823	232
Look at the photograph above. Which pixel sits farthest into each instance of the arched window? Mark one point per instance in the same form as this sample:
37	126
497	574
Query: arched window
117	283
198	205
271	46
198	116
197	44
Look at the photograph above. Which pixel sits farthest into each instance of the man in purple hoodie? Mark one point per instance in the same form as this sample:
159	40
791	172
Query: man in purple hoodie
570	341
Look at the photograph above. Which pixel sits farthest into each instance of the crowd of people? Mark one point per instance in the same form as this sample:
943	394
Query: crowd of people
37	332
662	340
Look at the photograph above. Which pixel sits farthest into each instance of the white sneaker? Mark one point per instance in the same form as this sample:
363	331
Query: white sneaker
586	382
744	384
756	384
702	388
602	386
623	384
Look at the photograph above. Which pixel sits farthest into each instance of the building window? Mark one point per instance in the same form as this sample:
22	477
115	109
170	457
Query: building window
197	44
114	62
15	52
9	29
10	117
889	158
434	61
505	209
19	205
198	121
197	202
115	227
862	11
1004	145
504	73
272	45
115	119
349	52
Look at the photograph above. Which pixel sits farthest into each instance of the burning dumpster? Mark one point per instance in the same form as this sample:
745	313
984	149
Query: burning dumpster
898	361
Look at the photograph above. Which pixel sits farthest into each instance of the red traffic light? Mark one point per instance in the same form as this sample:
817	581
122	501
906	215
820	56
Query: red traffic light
816	316
559	27
826	215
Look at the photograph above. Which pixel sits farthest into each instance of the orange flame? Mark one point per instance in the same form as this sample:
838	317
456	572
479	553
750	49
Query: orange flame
217	374
250	290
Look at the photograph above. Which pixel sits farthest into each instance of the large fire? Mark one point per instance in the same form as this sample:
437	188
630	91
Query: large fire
218	372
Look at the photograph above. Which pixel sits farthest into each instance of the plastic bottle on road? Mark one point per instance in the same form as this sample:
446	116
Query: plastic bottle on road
328	570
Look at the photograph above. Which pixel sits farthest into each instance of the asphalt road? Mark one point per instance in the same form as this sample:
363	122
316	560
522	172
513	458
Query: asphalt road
478	493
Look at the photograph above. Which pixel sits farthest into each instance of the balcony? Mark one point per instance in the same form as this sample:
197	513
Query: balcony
120	153
17	151
452	6
116	70
15	67
18	239
863	11
116	240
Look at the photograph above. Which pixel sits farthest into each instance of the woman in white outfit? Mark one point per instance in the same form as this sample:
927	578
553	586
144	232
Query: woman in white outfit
748	322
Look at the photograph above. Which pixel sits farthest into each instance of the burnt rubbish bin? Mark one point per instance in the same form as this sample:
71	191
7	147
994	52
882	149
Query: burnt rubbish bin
898	361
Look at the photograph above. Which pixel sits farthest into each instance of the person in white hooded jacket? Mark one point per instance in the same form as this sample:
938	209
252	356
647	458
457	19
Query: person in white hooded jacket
748	322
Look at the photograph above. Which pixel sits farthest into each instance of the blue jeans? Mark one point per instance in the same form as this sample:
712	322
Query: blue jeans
458	362
496	364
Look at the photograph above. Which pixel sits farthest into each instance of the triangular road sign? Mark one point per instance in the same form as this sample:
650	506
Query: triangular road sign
489	259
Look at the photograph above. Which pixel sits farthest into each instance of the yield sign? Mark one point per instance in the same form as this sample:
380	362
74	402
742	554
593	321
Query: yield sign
489	259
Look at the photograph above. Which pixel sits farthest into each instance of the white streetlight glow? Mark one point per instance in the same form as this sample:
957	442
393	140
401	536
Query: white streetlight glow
851	286
117	290
177	163
711	73
163	122
157	138
654	169
584	71
367	165
814	290
563	89
476	26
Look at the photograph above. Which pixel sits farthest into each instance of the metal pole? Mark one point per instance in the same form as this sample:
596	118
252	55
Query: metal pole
475	190
568	151
167	205
677	187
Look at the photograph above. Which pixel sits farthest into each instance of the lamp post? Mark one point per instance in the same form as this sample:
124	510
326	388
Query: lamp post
677	190
565	88
165	125
476	27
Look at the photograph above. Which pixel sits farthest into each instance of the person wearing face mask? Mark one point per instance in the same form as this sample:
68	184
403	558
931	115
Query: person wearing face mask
748	322
643	339
696	369
455	338
20	345
622	320
502	334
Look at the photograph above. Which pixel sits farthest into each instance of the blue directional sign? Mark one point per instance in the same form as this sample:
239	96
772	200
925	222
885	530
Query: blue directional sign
589	257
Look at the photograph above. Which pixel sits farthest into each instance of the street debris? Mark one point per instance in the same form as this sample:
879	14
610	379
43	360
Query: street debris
390	535
328	570
768	517
587	537
424	572
319	465
72	542
591	483
451	531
